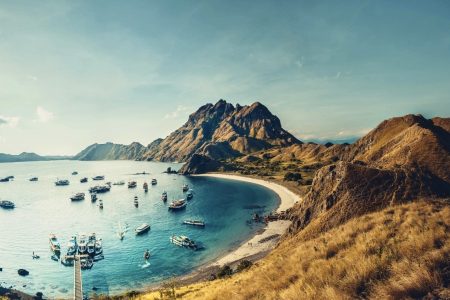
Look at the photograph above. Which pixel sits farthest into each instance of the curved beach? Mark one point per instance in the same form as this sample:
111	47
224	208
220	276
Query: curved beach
261	242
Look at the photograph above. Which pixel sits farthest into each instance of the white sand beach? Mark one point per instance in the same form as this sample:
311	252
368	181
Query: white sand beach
254	246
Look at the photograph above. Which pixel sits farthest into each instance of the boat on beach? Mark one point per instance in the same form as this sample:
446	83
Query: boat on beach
62	182
77	197
34	179
142	229
98	177
132	184
178	204
7	204
198	223
183	241
54	244
84	180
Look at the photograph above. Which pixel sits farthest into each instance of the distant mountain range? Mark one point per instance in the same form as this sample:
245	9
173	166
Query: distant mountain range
26	156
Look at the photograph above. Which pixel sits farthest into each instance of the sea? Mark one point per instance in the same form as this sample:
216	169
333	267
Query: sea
42	208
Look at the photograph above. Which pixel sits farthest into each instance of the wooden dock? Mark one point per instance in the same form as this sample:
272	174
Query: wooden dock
77	280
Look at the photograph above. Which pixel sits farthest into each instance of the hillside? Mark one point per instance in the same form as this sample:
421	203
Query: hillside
27	156
110	151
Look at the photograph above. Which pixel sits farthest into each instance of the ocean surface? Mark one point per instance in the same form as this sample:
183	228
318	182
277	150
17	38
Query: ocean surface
43	208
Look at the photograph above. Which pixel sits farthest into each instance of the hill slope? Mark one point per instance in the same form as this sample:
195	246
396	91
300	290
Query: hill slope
27	156
110	151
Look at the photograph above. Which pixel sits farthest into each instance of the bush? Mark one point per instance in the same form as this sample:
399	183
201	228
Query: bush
289	176
243	265
225	271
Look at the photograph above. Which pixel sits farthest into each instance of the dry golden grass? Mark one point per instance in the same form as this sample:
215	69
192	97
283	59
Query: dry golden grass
402	252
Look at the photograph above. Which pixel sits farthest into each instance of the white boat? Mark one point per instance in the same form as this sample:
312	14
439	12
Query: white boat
100	189
119	182
132	184
183	241
199	223
61	182
77	197
121	231
142	229
90	245
98	247
54	244
86	263
178	204
72	246
185	188
99	177
82	244
164	196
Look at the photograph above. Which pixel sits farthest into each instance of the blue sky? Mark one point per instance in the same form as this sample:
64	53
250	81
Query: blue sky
78	72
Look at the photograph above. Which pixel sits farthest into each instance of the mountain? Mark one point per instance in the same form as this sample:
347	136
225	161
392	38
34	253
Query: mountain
27	156
110	151
403	159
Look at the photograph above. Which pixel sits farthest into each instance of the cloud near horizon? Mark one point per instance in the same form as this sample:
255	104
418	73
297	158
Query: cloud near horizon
10	122
44	115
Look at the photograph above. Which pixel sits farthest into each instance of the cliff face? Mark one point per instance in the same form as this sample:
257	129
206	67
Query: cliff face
222	131
110	151
403	159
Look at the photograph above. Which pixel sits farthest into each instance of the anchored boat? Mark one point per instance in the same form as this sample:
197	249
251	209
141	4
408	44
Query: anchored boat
54	244
33	179
84	180
142	229
77	197
98	189
183	241
7	204
199	223
185	188
61	182
154	182
164	196
132	184
99	177
82	244
72	246
178	204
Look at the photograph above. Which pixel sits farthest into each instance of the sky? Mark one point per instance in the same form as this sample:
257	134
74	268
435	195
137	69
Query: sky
78	72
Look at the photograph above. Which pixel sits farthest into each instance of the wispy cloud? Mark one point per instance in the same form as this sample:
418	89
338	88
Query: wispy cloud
9	121
43	115
181	109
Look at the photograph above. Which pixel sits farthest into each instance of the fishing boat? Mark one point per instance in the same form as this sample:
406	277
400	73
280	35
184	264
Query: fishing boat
100	204
98	189
146	254
61	182
93	197
119	182
34	179
145	187
198	223
98	247
164	196
99	177
142	229
185	188
190	194
7	204
183	241
154	182
86	263
72	246
77	197
6	179
82	244
84	180
132	184
178	204
54	244
74	173
90	245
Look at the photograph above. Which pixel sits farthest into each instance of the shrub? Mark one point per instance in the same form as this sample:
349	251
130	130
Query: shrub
225	271
243	265
289	176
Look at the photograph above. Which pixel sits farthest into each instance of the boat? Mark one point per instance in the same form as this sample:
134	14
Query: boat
154	182
190	194
6	179
142	229
54	244
93	197
164	196
77	197
121	230
146	254
119	182
7	204
98	247
86	263
178	204
90	245
33	179
72	246
74	173
99	177
67	261
183	241
199	223
61	182
98	189
136	202
84	179
100	204
145	187
132	184
10	177
185	188
82	244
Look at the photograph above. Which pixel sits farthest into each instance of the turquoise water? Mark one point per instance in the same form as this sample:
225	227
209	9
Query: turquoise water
43	208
